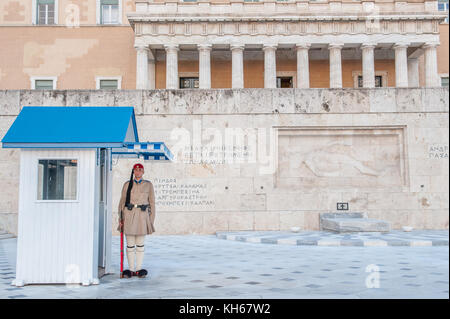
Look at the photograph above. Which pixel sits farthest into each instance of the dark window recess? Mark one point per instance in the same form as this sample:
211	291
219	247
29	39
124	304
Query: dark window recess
378	81
188	83
284	82
57	179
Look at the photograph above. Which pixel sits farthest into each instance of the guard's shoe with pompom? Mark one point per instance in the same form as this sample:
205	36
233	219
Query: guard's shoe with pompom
127	274
141	273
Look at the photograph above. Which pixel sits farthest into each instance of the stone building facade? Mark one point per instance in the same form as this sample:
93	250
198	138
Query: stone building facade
288	107
294	43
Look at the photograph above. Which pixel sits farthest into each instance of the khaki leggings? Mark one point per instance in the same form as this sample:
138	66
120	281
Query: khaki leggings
132	243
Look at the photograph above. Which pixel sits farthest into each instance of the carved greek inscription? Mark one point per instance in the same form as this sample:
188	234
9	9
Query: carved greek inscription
171	192
438	151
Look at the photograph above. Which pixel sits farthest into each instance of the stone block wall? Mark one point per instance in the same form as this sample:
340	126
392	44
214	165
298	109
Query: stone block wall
295	153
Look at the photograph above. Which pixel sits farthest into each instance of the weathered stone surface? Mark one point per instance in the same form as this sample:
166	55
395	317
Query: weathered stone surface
382	100
54	98
31	98
267	220
253	201
228	101
180	102
355	100
10	102
435	99
409	100
98	98
129	98
354	224
204	102
255	101
411	160
283	100
155	102
331	101
307	101
343	215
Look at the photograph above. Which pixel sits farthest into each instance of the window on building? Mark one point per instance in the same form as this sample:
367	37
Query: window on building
251	0
444	81
57	179
378	81
45	12
189	83
109	84
43	84
284	82
109	11
443	6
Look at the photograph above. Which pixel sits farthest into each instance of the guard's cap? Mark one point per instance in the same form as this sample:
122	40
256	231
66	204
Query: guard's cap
138	165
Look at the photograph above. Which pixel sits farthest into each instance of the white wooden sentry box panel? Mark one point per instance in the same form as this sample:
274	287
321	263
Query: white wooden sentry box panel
56	238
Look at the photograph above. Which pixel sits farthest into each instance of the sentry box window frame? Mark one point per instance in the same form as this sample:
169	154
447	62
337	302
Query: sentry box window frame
77	185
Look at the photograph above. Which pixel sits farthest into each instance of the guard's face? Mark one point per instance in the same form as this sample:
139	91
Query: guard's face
138	172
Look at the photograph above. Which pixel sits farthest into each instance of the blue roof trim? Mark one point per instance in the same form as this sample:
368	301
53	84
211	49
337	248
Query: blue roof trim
142	153
135	127
69	127
153	150
62	145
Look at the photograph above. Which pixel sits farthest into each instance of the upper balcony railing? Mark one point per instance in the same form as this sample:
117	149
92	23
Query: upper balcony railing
238	8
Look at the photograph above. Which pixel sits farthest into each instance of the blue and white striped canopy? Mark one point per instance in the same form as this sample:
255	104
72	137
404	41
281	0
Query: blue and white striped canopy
154	151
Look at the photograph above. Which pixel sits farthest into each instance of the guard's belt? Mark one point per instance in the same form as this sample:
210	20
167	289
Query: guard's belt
142	207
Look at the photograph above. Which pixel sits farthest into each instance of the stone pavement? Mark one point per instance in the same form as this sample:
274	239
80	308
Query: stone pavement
204	266
325	238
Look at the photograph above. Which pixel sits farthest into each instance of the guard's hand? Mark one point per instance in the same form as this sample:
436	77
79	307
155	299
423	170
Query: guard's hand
121	225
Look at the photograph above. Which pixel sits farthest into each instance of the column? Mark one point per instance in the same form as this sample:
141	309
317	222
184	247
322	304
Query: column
171	66
270	66
335	65
142	67
237	66
303	65
401	65
413	72
431	69
368	65
151	70
204	65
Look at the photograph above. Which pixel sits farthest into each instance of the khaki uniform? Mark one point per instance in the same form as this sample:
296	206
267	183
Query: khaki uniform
137	222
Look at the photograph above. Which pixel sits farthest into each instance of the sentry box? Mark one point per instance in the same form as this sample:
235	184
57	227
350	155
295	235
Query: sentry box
64	224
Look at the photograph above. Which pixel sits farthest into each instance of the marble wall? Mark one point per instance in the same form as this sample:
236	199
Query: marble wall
270	159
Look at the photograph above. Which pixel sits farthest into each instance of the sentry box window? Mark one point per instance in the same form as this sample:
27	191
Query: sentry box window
57	179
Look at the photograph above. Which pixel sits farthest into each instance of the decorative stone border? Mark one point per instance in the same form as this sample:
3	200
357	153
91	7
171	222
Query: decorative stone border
320	238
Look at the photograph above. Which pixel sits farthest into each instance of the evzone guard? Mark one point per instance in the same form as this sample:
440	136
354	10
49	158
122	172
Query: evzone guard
136	220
